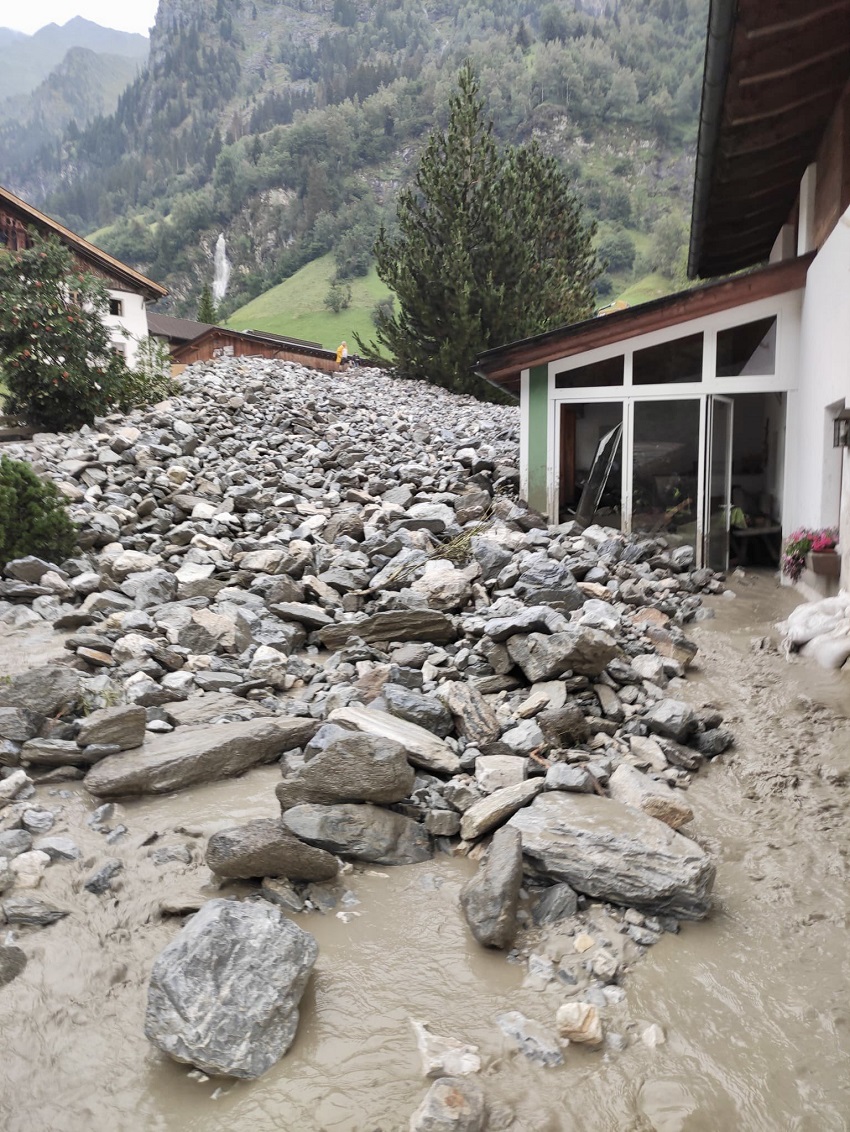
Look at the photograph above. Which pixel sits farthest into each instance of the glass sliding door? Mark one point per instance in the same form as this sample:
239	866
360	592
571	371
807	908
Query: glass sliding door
665	469
718	482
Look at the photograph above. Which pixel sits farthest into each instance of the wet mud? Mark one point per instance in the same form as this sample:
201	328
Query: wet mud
753	1001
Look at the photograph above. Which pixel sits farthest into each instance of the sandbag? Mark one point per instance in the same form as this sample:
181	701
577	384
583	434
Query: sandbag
815	619
830	651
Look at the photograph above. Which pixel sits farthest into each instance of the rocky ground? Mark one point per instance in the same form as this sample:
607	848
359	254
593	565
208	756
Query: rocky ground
278	566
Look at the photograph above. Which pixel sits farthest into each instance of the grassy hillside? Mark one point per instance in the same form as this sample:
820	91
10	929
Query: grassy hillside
296	307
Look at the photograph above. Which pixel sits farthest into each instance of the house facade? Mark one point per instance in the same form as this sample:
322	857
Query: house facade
714	416
129	291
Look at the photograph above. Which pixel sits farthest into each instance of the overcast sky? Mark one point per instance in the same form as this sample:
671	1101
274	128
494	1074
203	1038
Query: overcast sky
126	15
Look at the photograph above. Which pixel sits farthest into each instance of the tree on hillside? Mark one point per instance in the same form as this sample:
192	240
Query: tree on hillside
491	246
55	350
206	306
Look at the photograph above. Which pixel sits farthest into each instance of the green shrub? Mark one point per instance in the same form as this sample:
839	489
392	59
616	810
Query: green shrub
150	380
58	361
33	519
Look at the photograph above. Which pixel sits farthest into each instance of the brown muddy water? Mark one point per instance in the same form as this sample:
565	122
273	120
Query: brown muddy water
754	1001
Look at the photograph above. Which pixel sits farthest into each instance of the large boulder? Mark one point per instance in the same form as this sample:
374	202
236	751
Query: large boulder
611	852
197	754
224	994
364	833
357	768
490	898
266	848
585	651
49	690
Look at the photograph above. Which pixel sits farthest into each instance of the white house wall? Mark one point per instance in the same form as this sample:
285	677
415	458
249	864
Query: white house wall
815	481
133	320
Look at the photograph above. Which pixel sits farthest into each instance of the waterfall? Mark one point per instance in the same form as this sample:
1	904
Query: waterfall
221	276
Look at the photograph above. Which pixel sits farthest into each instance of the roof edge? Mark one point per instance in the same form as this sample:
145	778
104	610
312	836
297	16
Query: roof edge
155	290
722	18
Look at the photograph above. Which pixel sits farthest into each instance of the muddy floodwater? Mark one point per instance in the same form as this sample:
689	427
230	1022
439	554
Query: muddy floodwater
754	1001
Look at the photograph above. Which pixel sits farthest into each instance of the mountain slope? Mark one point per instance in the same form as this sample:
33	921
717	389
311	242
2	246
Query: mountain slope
25	60
296	307
84	86
290	125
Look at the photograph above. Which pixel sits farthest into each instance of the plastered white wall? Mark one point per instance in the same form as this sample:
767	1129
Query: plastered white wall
813	469
133	319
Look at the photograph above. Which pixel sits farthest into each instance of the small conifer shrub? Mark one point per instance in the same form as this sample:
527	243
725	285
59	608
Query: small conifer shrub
33	518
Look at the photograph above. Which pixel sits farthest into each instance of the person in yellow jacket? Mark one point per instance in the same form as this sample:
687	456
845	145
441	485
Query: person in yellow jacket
342	355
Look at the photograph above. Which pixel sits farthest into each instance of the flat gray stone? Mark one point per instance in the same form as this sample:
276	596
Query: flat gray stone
633	788
611	852
362	832
197	754
424	711
122	727
671	719
423	749
224	994
497	807
536	1042
266	848
30	911
392	625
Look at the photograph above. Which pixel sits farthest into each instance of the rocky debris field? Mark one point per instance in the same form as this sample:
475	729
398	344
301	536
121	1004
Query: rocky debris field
337	575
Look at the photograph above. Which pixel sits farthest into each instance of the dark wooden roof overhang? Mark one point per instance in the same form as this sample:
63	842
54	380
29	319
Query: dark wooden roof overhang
774	73
125	277
217	336
176	330
503	366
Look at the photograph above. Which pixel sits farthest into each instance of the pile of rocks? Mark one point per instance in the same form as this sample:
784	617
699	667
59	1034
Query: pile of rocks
336	574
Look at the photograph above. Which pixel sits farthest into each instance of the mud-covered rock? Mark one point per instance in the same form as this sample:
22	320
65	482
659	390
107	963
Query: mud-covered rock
361	832
266	848
224	994
491	897
610	852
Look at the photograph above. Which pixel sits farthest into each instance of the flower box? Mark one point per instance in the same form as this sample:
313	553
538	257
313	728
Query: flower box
825	562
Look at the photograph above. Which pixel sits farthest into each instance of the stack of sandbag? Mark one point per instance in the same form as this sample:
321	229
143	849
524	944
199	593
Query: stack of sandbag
820	630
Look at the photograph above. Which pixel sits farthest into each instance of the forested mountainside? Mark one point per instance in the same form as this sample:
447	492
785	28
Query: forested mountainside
289	125
85	85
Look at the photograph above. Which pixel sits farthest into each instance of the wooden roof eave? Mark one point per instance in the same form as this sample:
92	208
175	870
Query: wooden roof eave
86	251
774	72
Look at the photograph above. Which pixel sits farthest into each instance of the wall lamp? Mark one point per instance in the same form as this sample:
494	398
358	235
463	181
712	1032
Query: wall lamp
841	430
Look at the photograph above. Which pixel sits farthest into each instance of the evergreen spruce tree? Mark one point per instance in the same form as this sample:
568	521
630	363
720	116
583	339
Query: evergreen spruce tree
206	306
490	247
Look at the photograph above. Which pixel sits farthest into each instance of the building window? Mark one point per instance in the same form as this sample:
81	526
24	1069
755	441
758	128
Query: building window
593	376
670	363
748	349
116	307
119	348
